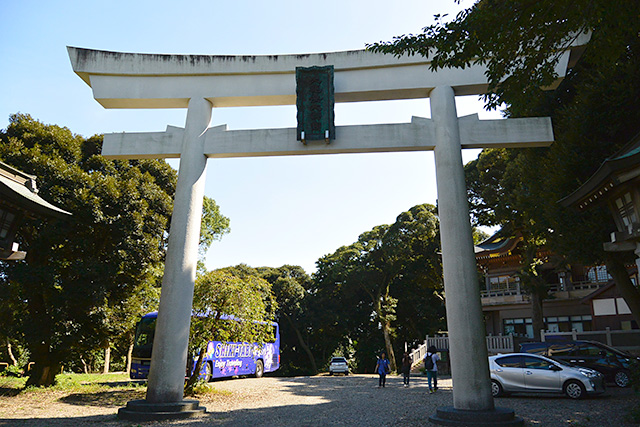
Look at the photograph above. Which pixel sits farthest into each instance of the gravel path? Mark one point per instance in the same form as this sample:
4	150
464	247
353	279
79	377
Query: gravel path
353	400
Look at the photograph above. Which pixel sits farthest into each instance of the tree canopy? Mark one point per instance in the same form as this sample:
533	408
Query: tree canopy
220	296
82	273
519	40
388	283
595	111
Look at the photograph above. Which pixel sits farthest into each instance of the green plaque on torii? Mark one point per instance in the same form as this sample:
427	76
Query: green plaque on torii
315	100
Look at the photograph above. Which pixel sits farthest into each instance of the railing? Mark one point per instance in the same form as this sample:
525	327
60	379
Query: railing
587	285
553	287
622	340
499	293
495	344
511	288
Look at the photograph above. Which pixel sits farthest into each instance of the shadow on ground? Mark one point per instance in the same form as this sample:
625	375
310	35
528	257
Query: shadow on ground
346	401
98	420
9	391
104	399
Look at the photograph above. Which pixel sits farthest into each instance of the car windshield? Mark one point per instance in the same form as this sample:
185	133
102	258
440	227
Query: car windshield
560	362
338	360
616	351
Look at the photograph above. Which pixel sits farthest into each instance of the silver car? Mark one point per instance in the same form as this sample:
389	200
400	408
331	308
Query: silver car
530	373
338	365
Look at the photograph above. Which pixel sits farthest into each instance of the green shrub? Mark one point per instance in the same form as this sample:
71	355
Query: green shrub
12	371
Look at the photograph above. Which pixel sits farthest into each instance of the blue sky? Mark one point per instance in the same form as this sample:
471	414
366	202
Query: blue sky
283	210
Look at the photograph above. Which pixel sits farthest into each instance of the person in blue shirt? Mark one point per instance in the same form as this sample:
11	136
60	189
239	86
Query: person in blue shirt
382	368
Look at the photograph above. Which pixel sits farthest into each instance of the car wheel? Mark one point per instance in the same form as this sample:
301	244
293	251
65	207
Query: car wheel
259	369
346	373
574	389
207	372
496	389
622	379
330	373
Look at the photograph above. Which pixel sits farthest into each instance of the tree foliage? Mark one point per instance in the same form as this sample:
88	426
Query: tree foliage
388	284
595	110
230	305
291	288
519	41
81	281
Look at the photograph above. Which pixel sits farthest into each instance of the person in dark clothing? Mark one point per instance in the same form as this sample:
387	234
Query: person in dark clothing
406	368
382	368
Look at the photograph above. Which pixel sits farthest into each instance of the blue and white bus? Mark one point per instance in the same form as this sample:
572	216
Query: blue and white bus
222	359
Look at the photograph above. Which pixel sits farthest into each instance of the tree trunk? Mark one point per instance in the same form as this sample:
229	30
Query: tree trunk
537	318
304	346
386	328
107	359
188	387
43	373
129	354
14	361
84	365
630	293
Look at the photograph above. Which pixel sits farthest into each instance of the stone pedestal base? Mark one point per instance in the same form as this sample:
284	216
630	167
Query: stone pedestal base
141	410
449	416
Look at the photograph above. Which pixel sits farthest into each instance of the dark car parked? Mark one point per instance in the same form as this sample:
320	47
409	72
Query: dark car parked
613	364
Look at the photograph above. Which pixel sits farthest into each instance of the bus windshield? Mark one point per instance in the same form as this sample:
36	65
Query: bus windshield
145	332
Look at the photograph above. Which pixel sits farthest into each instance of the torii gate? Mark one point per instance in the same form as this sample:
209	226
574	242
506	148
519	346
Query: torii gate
200	83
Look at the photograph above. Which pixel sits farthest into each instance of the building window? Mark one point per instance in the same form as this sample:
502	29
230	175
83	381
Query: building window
568	323
504	284
6	220
598	274
518	327
626	210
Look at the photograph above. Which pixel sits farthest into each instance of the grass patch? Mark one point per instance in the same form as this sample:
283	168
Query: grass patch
203	390
108	390
102	390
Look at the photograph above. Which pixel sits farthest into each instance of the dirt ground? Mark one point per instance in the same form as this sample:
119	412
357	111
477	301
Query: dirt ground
310	401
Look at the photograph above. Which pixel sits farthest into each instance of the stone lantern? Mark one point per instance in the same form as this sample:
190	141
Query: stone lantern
19	199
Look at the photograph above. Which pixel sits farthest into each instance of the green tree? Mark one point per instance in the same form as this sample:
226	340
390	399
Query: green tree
519	41
78	272
391	270
214	225
291	285
595	110
219	295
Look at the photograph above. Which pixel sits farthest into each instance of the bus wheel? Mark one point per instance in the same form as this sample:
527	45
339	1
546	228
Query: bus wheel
208	371
259	369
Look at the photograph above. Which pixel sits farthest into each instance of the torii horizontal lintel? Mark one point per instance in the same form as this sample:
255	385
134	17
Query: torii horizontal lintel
135	80
418	135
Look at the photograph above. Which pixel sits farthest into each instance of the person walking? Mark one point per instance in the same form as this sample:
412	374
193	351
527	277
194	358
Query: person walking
406	368
382	368
431	366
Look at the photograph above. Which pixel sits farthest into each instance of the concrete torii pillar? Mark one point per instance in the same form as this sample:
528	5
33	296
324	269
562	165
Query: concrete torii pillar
464	321
174	313
198	82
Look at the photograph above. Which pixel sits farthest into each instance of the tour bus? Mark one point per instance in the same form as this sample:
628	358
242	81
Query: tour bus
222	359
